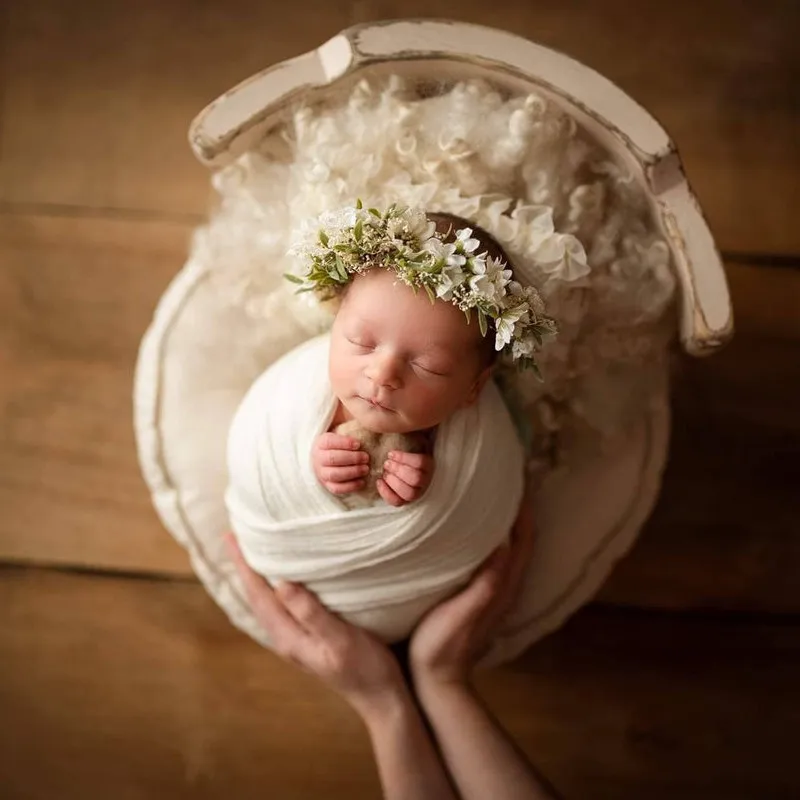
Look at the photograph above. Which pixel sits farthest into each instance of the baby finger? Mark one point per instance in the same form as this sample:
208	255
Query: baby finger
388	494
399	487
343	474
343	458
409	475
343	488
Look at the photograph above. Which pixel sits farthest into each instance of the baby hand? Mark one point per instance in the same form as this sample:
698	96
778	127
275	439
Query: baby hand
339	463
405	478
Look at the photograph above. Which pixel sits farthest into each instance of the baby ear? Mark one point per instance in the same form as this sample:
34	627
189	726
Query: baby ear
479	383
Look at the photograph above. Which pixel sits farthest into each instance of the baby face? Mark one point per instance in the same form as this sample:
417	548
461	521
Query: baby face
399	363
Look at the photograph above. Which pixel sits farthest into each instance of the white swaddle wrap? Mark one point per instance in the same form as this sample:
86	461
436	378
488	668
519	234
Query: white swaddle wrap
379	567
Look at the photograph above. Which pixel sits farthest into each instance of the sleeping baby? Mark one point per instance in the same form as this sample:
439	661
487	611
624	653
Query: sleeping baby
331	453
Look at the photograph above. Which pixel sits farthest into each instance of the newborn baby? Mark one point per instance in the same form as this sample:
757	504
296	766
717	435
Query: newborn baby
403	369
399	365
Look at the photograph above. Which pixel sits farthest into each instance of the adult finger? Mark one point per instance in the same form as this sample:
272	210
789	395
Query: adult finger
342	474
411	476
466	609
520	552
271	614
310	612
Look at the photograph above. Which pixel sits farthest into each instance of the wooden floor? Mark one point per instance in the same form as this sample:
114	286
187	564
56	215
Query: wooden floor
119	677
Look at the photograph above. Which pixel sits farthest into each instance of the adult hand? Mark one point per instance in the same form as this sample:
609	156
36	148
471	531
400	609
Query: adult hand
454	635
347	658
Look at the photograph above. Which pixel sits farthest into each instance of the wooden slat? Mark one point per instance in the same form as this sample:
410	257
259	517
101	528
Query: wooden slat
99	96
108	129
724	532
76	295
141	689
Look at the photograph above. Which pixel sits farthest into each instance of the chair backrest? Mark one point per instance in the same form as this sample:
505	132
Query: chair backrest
436	51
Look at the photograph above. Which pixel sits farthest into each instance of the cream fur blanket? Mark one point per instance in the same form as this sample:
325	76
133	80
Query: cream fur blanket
380	567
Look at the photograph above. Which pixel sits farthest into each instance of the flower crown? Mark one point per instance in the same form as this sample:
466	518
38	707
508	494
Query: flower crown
341	244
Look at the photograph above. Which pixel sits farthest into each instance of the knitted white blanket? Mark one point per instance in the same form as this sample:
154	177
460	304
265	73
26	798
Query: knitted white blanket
380	567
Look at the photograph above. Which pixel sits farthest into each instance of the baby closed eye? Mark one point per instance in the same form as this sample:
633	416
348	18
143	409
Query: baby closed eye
362	344
428	369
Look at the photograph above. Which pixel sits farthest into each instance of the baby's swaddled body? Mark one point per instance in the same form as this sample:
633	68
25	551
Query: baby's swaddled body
380	567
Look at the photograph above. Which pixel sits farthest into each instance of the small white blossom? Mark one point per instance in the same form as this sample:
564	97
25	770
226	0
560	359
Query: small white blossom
504	326
464	238
444	252
450	278
418	224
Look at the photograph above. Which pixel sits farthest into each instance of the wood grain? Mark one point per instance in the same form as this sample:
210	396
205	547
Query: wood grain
99	96
76	296
108	129
141	689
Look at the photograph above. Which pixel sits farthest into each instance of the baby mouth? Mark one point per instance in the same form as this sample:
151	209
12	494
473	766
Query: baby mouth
375	404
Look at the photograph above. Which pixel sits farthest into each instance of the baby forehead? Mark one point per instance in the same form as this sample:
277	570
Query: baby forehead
381	301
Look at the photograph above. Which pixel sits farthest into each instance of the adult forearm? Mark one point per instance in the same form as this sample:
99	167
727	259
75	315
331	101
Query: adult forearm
408	764
482	760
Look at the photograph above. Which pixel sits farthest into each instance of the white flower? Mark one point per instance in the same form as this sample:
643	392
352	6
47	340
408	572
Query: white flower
418	224
468	244
504	325
450	278
444	252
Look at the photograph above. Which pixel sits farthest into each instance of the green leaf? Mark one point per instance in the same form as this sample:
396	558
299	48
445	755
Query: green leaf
292	278
323	238
359	204
430	292
340	267
357	230
482	322
375	212
468	315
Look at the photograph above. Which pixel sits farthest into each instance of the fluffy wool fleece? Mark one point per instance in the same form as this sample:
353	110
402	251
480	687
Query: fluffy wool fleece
572	220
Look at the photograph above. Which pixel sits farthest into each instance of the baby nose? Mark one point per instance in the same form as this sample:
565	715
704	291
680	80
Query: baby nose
384	371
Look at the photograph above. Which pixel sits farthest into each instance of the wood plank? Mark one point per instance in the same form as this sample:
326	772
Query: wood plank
76	295
724	532
109	129
141	689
